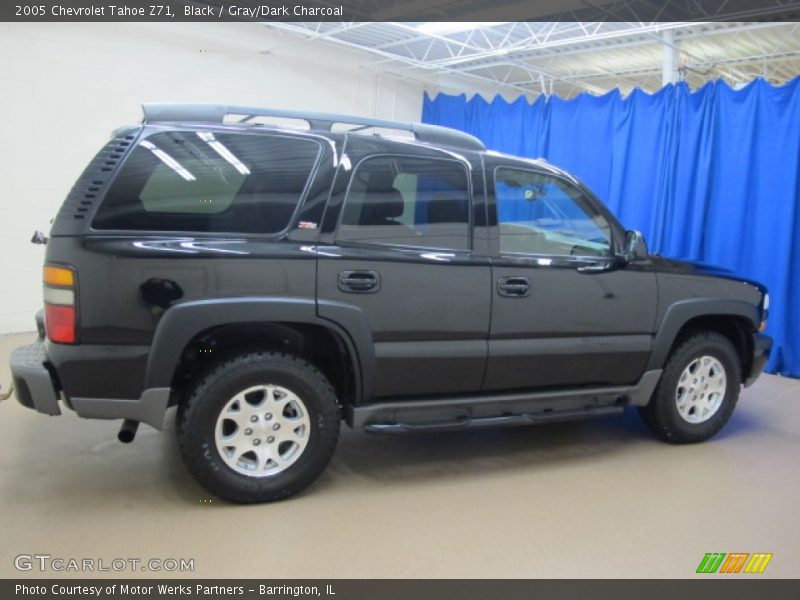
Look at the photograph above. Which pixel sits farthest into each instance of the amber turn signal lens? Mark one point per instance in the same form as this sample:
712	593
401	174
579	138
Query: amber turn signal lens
58	276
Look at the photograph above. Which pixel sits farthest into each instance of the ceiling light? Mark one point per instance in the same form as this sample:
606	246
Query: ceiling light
442	27
168	160
223	151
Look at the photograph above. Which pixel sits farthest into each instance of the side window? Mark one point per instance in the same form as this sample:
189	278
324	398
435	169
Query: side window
408	202
204	181
540	214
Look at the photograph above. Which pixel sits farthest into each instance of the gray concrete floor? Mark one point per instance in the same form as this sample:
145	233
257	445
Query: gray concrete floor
597	498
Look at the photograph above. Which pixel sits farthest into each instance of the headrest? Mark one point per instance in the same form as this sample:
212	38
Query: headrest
447	210
382	201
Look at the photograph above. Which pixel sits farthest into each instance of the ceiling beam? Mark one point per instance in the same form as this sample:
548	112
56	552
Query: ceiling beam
495	58
415	63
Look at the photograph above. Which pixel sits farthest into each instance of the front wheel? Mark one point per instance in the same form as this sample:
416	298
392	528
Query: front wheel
697	392
259	427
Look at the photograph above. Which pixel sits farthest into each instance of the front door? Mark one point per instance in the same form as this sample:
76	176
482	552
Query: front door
564	314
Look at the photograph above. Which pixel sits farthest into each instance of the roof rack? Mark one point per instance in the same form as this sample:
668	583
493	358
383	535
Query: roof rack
216	113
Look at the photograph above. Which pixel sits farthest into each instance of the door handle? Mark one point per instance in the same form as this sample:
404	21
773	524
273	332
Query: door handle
596	267
514	287
359	282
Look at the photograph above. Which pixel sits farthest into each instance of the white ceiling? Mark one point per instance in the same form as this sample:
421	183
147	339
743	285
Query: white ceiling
566	58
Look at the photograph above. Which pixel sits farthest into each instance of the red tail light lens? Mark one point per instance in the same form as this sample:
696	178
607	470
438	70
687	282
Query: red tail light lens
60	322
60	307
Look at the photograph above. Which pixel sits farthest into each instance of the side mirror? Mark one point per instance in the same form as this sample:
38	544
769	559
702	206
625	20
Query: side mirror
635	246
38	238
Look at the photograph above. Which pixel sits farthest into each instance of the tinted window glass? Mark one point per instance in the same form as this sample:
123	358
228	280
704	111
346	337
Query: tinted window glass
203	181
539	214
408	202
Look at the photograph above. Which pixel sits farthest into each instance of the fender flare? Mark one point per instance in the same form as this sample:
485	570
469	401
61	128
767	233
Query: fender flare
182	322
681	312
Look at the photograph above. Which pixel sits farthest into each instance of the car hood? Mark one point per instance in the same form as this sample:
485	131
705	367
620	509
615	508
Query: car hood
686	267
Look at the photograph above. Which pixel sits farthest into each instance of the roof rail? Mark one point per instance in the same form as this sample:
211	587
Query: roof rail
216	113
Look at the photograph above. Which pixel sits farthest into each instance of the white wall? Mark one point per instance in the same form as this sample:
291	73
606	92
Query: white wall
64	87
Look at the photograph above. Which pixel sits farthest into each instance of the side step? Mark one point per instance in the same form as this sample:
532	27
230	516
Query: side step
486	422
490	410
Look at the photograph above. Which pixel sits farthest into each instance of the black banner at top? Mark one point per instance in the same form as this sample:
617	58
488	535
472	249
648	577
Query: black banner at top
399	10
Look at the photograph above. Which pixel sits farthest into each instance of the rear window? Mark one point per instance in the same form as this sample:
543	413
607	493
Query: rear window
209	182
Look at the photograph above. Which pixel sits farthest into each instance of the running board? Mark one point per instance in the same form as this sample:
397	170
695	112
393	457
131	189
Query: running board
486	422
485	410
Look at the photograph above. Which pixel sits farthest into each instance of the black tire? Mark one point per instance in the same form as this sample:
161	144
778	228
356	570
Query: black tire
661	414
197	421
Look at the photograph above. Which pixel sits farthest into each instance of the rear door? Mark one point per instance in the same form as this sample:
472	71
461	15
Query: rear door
563	315
399	246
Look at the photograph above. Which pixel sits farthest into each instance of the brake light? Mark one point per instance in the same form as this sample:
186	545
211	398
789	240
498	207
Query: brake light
59	323
60	306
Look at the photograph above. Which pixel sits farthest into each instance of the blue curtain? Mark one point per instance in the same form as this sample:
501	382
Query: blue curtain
711	175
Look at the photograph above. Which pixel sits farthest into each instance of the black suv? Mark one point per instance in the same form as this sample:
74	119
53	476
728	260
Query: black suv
270	281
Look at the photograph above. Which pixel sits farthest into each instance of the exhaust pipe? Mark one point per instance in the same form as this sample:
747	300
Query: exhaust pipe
128	431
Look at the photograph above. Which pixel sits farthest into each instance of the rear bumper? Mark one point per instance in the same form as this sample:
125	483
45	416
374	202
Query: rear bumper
37	388
762	344
33	382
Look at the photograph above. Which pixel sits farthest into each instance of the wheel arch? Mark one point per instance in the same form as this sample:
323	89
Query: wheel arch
734	319
220	326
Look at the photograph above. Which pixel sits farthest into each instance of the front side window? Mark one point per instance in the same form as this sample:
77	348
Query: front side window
407	201
541	214
209	182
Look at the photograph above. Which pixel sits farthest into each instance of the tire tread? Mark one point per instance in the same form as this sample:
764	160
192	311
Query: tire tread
228	367
657	416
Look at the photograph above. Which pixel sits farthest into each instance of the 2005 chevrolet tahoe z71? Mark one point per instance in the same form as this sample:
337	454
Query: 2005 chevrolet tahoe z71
270	282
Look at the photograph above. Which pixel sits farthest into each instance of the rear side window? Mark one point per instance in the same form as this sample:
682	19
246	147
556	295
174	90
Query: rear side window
407	201
209	182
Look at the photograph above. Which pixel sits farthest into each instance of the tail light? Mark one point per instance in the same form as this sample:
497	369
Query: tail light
60	304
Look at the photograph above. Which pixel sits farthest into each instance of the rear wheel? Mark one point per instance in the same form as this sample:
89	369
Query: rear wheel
697	392
259	427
